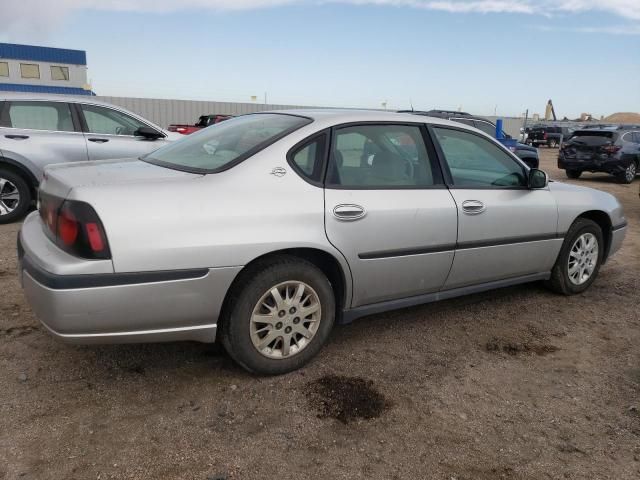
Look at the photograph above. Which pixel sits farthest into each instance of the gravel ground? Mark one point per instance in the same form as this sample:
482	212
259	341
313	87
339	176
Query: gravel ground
517	384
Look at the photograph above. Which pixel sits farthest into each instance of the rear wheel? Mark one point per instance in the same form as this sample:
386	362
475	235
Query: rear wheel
573	173
279	317
629	174
15	196
553	143
579	260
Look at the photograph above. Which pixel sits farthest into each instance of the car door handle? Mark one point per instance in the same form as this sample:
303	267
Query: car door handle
473	207
17	137
98	140
348	212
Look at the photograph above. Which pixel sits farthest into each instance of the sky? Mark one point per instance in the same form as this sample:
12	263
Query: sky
481	56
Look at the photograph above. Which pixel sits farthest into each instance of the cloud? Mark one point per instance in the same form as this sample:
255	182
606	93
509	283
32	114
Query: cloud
43	15
606	29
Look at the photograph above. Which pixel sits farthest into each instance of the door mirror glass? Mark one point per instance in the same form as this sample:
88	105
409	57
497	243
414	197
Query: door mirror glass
148	132
538	178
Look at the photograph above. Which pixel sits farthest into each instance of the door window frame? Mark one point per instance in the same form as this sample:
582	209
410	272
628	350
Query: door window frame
85	126
6	105
448	178
435	164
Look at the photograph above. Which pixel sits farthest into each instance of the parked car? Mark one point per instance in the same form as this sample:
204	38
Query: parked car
266	229
38	130
551	136
527	154
203	122
612	150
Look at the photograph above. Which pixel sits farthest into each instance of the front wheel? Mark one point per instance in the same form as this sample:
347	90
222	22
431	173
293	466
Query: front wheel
15	196
573	173
279	316
579	260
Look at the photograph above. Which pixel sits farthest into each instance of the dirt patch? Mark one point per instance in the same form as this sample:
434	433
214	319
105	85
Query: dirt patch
18	331
519	348
346	398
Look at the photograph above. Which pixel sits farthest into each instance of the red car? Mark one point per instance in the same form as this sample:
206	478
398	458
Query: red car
203	122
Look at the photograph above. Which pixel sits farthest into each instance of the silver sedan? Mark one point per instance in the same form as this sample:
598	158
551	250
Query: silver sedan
267	229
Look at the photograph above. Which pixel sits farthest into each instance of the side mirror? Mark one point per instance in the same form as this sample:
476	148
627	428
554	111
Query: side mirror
148	133
538	178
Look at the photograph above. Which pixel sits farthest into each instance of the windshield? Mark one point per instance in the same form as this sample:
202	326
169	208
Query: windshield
226	144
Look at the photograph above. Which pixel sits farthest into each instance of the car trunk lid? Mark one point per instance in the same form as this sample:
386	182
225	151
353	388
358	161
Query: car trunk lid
60	179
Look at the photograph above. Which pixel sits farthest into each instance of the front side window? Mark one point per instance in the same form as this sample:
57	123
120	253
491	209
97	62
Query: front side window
29	70
4	69
106	121
486	127
53	116
59	73
475	161
308	158
224	144
380	156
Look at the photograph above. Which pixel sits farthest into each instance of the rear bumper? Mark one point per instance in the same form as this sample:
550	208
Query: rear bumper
615	165
124	308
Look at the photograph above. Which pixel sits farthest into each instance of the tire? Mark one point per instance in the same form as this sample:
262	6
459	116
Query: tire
240	334
553	143
560	281
573	173
13	185
629	175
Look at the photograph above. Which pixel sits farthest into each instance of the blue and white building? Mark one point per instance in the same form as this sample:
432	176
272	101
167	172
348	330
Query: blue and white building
29	68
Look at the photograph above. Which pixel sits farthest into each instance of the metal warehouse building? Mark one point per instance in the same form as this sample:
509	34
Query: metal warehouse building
29	68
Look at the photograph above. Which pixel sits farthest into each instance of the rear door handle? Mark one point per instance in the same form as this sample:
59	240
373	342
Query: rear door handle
98	140
348	212
17	137
473	207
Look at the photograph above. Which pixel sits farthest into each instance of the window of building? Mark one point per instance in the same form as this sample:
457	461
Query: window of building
29	70
59	73
4	69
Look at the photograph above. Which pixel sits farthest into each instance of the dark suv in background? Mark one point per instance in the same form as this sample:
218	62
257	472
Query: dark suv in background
551	136
614	150
527	154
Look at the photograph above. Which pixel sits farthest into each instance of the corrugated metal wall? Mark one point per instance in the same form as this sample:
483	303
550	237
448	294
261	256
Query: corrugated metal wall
165	112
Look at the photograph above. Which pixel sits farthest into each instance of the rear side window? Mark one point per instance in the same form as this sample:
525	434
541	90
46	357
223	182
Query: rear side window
593	133
380	156
307	159
52	116
475	161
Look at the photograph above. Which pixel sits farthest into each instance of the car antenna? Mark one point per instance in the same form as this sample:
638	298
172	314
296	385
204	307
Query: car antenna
411	104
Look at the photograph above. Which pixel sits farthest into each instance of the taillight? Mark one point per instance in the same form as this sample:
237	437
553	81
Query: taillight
610	149
74	227
181	130
545	135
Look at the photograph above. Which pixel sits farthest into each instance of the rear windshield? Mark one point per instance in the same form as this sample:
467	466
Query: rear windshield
226	144
592	133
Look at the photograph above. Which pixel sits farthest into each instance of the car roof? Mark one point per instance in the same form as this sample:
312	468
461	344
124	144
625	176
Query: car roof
53	97
333	116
